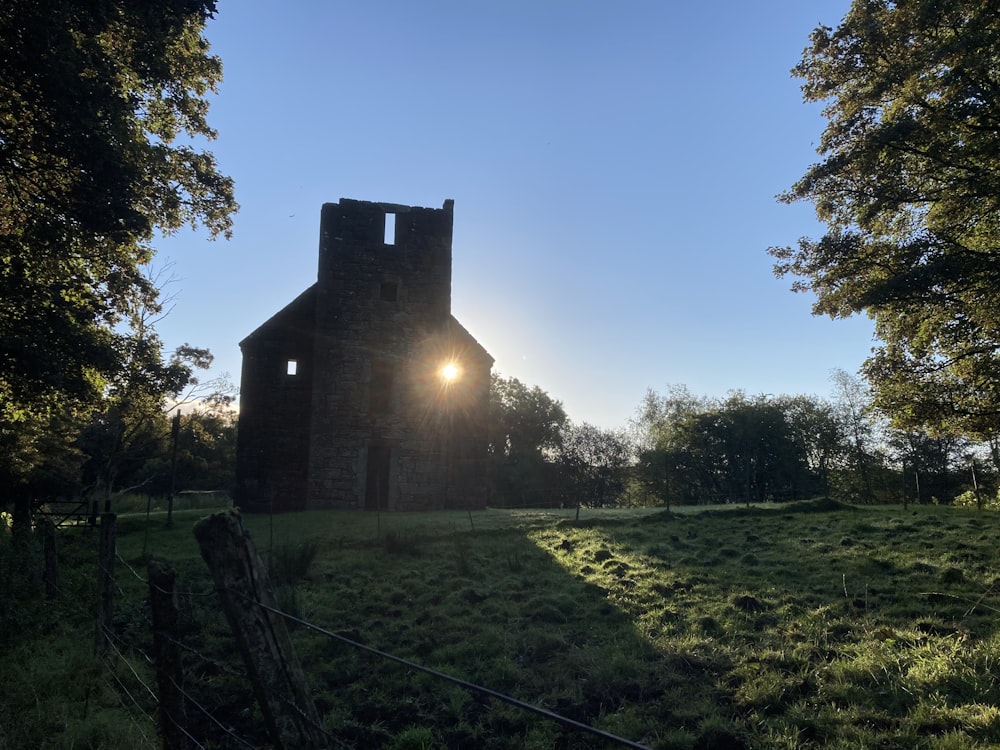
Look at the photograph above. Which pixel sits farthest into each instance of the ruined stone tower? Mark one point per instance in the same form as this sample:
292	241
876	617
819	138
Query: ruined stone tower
365	392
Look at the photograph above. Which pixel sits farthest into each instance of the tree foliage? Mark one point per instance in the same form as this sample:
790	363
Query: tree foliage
738	449
594	463
99	104
525	432
909	188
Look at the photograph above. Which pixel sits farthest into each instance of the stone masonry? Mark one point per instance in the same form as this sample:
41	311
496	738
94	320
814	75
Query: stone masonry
365	392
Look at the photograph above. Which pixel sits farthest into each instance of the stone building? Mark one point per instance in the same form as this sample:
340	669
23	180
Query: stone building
364	391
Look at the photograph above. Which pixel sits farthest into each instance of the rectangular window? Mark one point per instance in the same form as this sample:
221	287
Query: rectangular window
390	229
380	394
291	367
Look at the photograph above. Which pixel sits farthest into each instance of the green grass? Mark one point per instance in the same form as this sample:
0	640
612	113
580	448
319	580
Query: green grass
813	625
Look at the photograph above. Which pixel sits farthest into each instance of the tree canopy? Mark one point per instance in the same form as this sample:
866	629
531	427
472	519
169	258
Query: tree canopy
909	188
100	105
525	429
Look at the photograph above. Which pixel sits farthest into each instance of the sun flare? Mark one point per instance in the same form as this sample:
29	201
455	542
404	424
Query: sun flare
450	372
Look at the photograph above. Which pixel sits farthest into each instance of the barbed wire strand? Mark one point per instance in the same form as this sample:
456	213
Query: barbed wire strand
128	664
302	715
566	721
551	715
209	714
156	699
964	599
220	665
159	588
146	739
193	701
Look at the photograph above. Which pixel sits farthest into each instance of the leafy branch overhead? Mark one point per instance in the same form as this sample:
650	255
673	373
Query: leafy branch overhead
909	188
101	107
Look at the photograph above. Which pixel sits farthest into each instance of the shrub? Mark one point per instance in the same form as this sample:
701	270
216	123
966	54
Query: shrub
968	500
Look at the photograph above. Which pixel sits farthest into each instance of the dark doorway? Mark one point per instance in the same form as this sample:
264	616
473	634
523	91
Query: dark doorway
377	480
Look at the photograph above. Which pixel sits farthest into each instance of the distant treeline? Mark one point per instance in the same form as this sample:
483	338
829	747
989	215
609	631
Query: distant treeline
686	449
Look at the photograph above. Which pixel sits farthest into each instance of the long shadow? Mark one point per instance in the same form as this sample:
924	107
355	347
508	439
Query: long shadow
486	600
638	626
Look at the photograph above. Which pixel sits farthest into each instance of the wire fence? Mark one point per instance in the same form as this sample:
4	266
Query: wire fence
128	671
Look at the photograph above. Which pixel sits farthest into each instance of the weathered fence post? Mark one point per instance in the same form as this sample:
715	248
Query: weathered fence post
166	654
261	635
106	579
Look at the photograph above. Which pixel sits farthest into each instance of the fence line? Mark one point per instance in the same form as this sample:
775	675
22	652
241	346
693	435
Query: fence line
544	712
473	687
209	715
187	696
552	715
146	739
111	642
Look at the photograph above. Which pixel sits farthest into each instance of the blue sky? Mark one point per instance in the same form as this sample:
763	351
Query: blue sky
614	169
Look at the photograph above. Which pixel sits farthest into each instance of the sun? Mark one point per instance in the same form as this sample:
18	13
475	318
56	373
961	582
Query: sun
450	372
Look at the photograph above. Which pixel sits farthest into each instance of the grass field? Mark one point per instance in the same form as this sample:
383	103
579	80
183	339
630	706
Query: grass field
809	625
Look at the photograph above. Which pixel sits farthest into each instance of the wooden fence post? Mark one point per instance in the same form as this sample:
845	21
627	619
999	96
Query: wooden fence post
106	579
166	654
261	635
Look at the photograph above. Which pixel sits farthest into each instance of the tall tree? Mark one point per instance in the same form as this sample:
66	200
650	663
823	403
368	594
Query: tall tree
855	410
909	187
525	430
100	105
814	426
656	439
594	461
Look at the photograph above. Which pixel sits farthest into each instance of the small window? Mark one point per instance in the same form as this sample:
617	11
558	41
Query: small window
292	367
390	229
389	291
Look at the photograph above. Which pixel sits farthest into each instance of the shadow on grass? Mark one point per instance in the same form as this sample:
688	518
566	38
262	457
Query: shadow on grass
815	623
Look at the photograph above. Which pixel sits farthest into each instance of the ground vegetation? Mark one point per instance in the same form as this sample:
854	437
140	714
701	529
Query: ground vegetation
807	625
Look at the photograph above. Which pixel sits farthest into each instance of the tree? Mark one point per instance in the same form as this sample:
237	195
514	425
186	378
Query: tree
815	427
99	104
853	404
742	449
207	452
525	430
594	461
929	464
654	437
657	411
131	428
909	188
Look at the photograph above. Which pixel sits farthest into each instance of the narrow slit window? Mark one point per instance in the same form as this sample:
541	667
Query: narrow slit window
292	367
390	229
380	388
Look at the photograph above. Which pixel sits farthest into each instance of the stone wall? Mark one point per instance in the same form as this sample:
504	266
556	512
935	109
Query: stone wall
368	420
272	457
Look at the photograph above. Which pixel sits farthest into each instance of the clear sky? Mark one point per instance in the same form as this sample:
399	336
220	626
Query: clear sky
614	168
